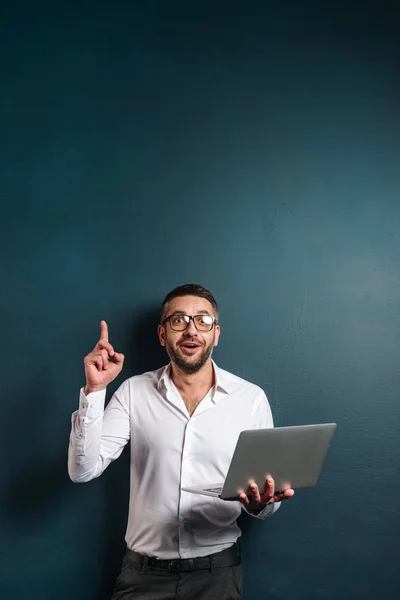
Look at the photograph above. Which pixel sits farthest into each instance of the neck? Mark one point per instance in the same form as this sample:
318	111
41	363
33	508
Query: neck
203	379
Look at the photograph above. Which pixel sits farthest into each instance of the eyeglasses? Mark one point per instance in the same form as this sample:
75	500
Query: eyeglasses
181	322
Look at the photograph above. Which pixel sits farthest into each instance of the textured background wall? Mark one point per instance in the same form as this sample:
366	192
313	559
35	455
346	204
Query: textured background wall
254	150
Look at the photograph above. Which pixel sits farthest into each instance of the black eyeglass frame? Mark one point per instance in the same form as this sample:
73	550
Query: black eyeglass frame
191	318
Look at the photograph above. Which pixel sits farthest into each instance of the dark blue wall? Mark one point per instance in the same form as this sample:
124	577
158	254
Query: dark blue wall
255	151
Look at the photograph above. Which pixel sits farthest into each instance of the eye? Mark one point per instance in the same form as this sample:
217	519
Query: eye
206	320
178	320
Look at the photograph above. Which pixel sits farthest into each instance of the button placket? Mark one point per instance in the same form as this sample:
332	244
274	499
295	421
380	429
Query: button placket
185	536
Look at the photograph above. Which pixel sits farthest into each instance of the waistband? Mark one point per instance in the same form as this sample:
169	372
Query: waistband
226	558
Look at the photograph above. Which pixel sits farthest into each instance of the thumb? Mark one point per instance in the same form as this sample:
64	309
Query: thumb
118	358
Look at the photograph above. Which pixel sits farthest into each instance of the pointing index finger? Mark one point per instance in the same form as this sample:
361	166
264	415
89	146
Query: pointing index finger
103	331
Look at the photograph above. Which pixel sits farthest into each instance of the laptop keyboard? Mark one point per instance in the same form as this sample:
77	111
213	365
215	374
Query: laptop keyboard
217	490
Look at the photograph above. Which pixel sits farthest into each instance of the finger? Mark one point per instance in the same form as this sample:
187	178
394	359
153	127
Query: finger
244	498
103	331
269	488
255	492
91	359
285	494
104	356
98	361
106	346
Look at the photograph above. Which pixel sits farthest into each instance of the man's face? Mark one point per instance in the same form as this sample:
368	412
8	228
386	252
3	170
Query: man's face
189	350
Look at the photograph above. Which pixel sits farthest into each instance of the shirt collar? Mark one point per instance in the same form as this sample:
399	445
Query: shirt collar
220	380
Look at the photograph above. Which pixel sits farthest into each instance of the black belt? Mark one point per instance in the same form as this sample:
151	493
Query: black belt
226	558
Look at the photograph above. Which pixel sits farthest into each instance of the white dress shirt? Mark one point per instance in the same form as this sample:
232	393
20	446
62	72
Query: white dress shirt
170	450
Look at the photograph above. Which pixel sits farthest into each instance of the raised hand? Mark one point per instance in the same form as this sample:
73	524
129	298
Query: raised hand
100	370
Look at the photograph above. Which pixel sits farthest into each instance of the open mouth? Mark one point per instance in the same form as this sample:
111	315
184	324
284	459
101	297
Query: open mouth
189	348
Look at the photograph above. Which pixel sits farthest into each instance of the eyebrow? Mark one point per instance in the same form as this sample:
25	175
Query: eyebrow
182	312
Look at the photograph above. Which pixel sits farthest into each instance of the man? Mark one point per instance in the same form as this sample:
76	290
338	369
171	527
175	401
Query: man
183	422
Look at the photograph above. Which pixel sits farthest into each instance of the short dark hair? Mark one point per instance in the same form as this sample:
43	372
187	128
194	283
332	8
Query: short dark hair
189	289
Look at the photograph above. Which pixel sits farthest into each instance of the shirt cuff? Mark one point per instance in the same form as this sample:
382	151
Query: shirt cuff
268	511
92	406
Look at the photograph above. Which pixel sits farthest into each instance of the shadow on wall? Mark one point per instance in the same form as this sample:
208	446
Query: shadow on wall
143	354
37	478
37	482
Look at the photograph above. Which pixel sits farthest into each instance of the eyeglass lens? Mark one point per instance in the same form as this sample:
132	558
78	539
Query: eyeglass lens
181	322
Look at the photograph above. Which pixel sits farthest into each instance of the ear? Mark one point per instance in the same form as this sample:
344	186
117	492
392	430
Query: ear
216	335
161	334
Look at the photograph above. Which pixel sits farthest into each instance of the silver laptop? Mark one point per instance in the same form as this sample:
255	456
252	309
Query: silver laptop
293	456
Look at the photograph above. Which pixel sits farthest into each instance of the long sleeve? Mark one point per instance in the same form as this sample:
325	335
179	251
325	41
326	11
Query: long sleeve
98	436
263	420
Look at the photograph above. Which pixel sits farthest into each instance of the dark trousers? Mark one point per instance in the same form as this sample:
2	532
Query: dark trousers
217	576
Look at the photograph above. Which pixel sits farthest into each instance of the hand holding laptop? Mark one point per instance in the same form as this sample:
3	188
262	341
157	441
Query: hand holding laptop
286	458
260	500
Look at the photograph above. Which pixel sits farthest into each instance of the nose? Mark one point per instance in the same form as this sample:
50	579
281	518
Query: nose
191	329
